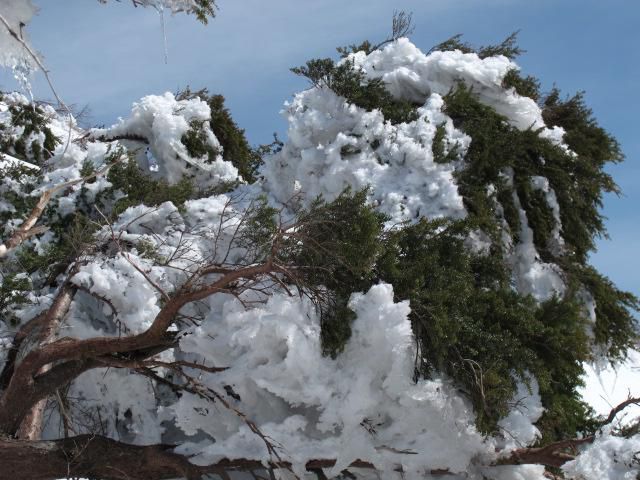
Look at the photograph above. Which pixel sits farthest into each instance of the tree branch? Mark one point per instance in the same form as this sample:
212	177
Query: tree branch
557	454
23	392
21	404
100	457
28	228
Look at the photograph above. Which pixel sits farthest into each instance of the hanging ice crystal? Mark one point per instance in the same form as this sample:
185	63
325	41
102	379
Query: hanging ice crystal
22	71
160	9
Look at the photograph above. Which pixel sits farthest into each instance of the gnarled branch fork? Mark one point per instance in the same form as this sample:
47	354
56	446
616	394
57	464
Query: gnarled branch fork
52	364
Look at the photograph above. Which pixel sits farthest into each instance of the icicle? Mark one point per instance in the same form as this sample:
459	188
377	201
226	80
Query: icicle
21	73
160	9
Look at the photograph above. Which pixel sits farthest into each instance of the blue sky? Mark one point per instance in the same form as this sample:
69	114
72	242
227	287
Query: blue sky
108	56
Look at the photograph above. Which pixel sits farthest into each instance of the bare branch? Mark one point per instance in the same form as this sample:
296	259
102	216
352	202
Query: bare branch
558	453
21	402
617	409
96	456
76	356
401	26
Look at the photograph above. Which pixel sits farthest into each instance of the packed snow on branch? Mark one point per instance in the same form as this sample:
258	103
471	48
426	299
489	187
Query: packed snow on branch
608	457
365	403
162	121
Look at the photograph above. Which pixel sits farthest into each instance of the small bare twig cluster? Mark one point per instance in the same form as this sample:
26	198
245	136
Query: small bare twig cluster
401	26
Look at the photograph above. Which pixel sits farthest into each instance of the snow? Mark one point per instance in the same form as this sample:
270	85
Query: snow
518	426
162	121
609	385
556	241
532	276
515	472
119	281
333	145
609	457
7	161
174	6
412	75
364	404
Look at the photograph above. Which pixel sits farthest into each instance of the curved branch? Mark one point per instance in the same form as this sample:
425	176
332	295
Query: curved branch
23	391
101	457
125	136
617	409
557	454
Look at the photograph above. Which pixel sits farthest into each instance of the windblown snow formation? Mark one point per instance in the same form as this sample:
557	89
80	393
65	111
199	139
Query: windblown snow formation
362	405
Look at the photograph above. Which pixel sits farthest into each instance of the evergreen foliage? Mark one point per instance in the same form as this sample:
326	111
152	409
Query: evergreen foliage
366	47
528	86
615	329
235	147
442	154
139	188
578	181
73	238
336	247
195	141
260	229
15	180
36	141
469	321
14	288
472	325
350	83
581	181
508	47
205	9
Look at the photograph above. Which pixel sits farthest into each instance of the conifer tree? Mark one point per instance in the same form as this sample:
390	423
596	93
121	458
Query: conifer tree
411	262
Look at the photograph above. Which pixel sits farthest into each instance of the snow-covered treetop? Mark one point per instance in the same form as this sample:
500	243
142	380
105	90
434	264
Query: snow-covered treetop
400	289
